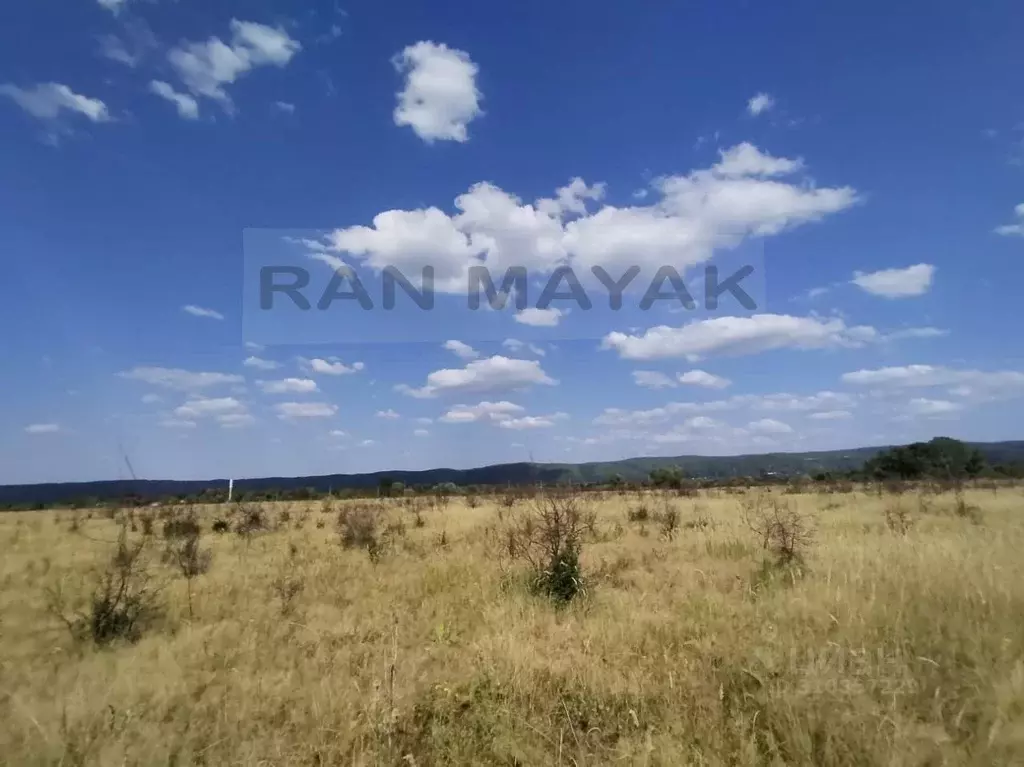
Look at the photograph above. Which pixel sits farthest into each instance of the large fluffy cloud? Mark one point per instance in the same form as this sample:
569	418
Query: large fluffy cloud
747	193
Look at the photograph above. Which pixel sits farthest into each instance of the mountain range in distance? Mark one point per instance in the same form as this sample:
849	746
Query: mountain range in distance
629	469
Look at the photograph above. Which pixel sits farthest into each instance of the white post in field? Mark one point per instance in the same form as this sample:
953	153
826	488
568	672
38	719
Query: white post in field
231	487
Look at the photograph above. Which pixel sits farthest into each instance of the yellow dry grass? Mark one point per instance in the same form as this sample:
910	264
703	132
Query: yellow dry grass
888	649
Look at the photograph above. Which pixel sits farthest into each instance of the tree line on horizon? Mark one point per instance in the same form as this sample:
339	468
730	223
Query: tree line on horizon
940	459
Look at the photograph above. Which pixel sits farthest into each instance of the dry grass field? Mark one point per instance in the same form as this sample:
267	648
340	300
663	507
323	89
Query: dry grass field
889	639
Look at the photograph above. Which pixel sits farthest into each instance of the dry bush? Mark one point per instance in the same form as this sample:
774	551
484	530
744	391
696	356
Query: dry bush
964	510
288	583
123	601
192	561
893	487
549	538
358	528
639	513
419	505
898	519
831	504
286	587
700	521
357	525
251	519
795	486
183	525
668	520
781	529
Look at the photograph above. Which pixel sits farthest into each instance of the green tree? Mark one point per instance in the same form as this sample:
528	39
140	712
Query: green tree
667	476
941	458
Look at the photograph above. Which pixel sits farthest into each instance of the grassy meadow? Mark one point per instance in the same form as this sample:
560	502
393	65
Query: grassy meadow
893	635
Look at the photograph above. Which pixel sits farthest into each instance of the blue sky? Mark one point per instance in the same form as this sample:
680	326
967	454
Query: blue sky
869	161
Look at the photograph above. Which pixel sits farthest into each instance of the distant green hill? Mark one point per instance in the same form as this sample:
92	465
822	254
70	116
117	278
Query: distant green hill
630	470
638	469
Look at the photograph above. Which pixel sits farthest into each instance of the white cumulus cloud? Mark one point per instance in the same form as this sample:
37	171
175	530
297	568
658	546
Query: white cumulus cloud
970	384
651	379
297	410
46	101
1015	229
440	97
929	408
288	386
200	408
704	379
235	420
738	335
515	345
207	68
187	106
330	367
260	364
461	350
760	103
897	283
483	411
746	194
769	426
532	421
540	318
492	374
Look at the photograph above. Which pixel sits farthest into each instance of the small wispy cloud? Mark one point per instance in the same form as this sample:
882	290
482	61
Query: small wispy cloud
760	103
199	311
42	428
